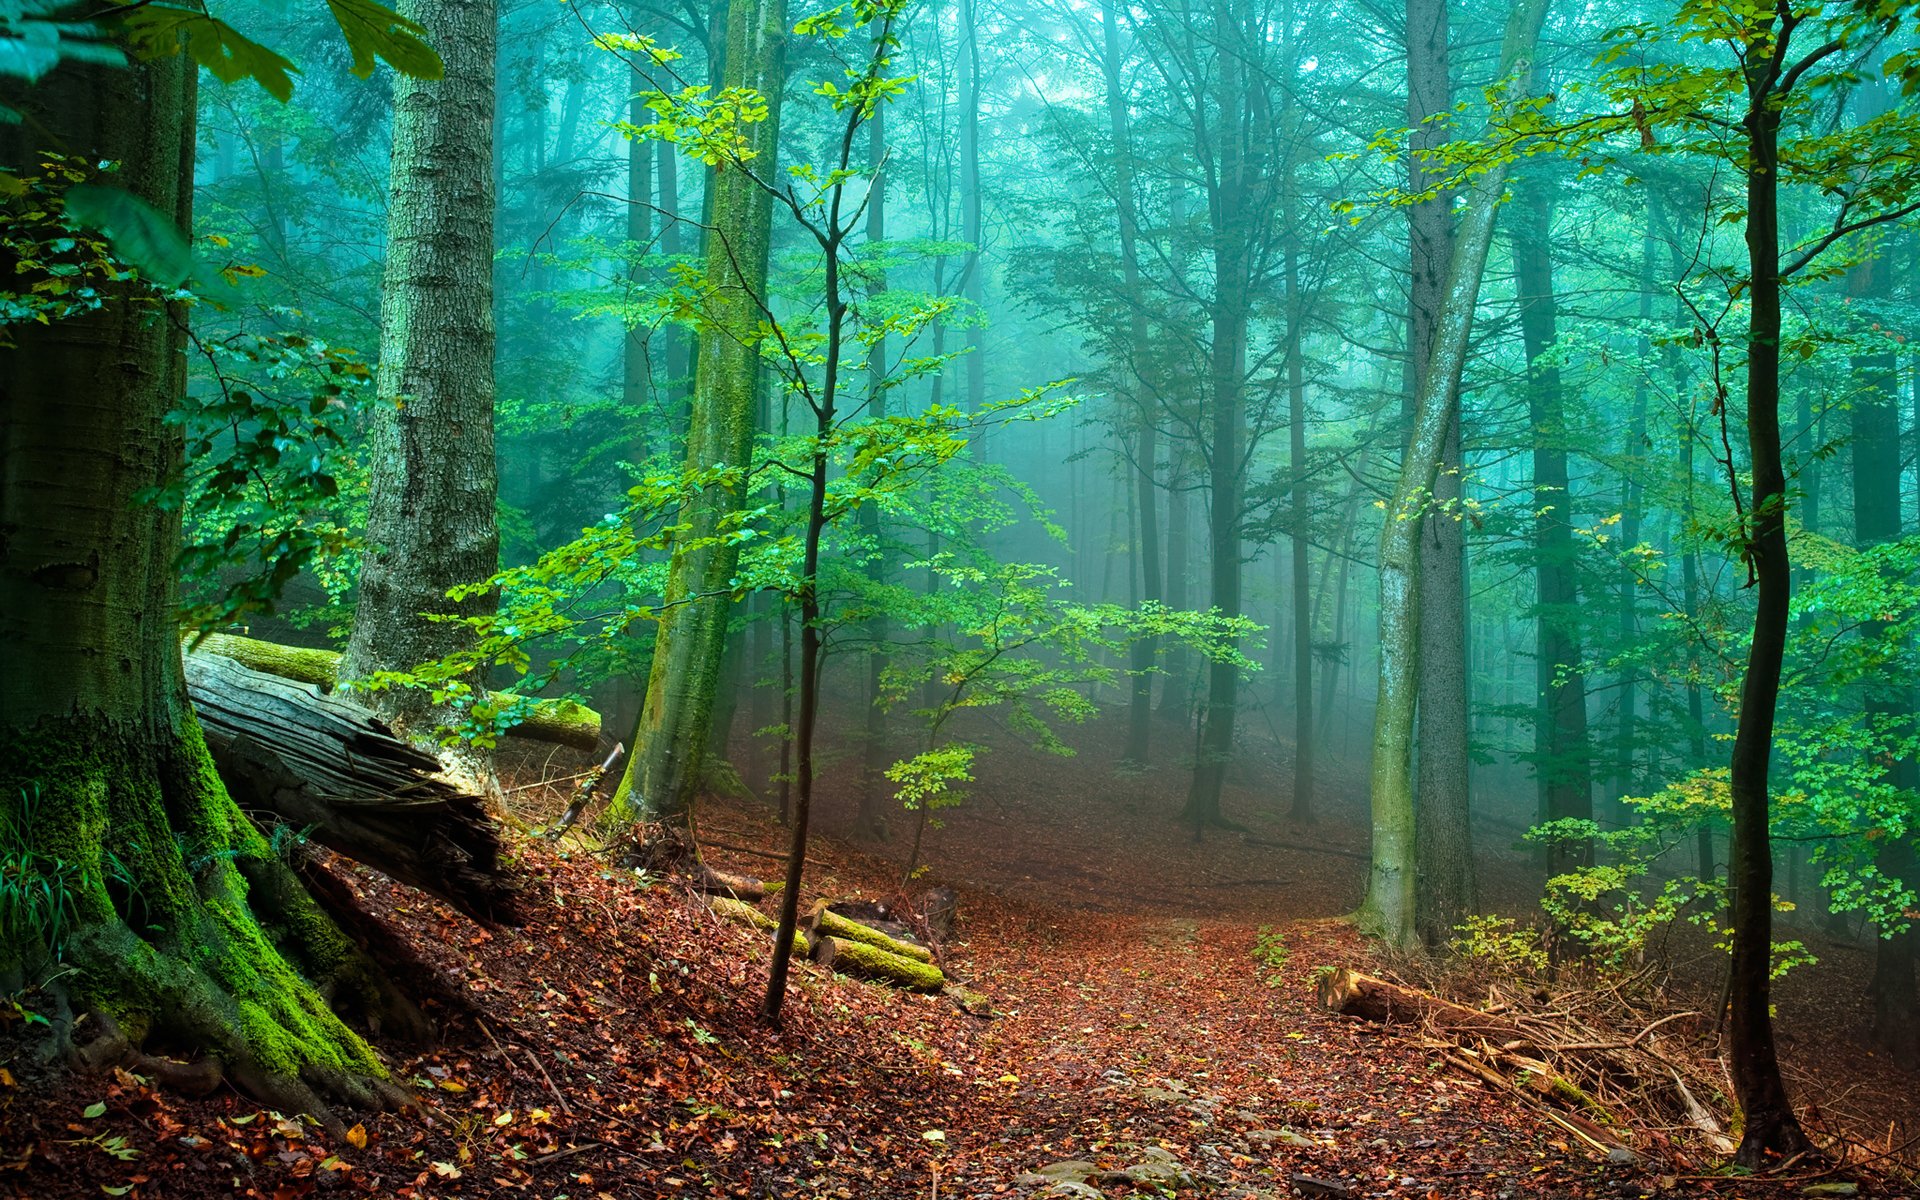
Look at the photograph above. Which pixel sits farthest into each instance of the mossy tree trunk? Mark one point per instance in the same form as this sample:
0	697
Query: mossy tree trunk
1389	907
663	776
430	519
185	928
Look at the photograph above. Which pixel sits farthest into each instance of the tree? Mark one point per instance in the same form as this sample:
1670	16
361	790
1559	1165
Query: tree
662	777
430	514
1875	440
1444	839
1389	909
175	916
1561	753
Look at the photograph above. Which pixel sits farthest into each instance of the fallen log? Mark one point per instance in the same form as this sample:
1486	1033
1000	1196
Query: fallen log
561	721
822	919
747	914
322	765
871	962
722	883
1374	999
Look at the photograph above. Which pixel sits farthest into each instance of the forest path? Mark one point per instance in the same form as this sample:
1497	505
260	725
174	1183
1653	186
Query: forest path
1129	1038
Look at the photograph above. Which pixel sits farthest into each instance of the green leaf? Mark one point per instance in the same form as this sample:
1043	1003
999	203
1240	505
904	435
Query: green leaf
158	30
141	234
97	1109
376	32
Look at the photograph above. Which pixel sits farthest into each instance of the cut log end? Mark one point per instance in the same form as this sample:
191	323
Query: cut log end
871	962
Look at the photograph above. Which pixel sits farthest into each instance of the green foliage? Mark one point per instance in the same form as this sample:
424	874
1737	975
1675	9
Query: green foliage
141	235
372	32
266	448
1501	945
156	30
60	270
38	35
1270	951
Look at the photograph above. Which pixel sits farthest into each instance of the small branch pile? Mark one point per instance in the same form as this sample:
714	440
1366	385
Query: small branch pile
1626	1095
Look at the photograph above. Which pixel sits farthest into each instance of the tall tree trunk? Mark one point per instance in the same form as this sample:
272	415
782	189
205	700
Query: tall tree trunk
1769	1124
1176	692
1230	202
636	374
1146	446
1562	762
663	774
1875	438
1301	521
430	509
1443	831
675	352
874	744
974	286
1389	909
184	925
1626	733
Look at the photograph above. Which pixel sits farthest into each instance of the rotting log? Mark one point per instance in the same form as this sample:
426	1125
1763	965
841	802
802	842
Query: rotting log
325	767
823	920
747	914
871	962
1374	999
723	883
561	721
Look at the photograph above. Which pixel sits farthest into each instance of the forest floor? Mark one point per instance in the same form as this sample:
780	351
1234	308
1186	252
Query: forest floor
610	1047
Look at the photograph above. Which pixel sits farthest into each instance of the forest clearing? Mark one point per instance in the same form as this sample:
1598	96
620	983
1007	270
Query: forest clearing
915	598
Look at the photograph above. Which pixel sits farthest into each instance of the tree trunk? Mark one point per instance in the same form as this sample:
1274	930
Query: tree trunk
1875	440
1769	1124
1626	733
1389	909
184	926
1230	203
973	284
1443	834
430	516
1146	449
1300	519
873	780
662	777
1561	751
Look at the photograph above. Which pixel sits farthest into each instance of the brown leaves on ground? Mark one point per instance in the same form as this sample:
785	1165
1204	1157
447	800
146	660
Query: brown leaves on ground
610	1048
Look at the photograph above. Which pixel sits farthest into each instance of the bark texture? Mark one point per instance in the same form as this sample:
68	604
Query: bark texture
430	517
1445	889
662	778
186	926
1389	907
1770	1126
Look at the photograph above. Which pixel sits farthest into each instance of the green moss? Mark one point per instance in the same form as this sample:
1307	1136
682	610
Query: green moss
185	953
861	958
562	721
747	914
832	923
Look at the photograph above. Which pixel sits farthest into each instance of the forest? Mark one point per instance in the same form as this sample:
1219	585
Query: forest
971	598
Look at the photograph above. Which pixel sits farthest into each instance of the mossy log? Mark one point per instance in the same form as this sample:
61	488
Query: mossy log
747	914
561	721
823	920
326	767
871	962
